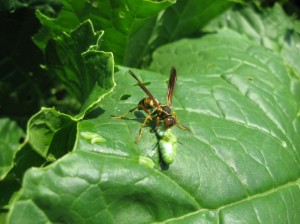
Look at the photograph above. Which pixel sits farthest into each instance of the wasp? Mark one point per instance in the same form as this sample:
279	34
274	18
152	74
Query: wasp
154	109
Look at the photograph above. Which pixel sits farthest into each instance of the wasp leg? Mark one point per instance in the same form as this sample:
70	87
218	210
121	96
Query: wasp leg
124	115
142	128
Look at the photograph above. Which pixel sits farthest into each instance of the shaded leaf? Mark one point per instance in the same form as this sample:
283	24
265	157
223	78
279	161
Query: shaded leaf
77	61
51	133
11	138
119	19
25	158
133	31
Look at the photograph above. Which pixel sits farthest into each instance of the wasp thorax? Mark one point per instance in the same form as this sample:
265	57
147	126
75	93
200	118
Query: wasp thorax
169	121
166	110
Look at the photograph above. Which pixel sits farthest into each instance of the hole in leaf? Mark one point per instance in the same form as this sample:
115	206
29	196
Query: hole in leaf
125	97
21	140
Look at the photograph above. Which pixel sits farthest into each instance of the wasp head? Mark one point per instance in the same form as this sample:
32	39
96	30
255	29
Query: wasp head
169	121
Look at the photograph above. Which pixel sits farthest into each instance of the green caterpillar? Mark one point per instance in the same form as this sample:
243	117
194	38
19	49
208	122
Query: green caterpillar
167	146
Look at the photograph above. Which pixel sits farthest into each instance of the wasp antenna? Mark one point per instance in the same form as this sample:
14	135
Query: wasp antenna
183	127
143	87
133	75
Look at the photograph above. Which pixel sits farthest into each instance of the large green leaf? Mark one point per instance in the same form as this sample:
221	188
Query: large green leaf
248	117
239	164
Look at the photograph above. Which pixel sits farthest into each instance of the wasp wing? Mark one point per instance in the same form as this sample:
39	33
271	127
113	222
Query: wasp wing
171	85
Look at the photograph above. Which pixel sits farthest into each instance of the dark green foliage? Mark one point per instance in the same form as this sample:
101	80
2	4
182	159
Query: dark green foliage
64	72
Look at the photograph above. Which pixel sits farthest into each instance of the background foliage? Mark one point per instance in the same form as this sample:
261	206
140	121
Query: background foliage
64	73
